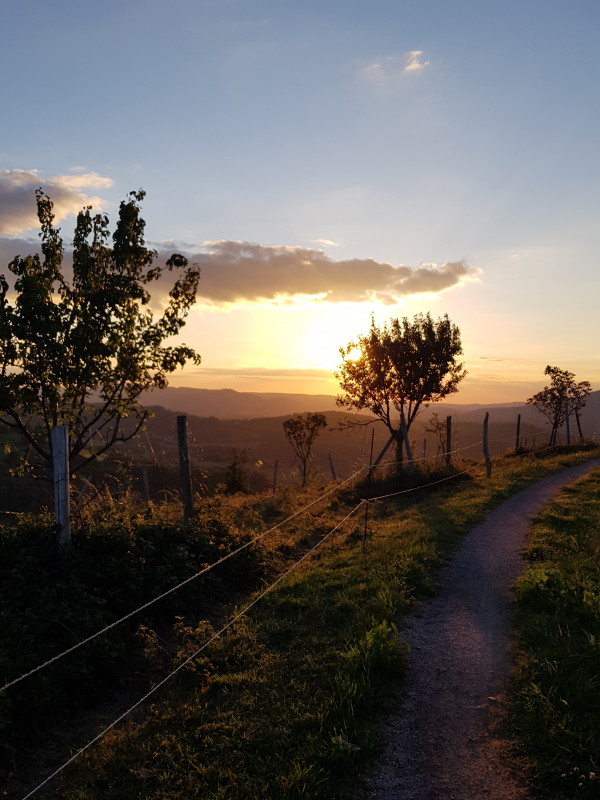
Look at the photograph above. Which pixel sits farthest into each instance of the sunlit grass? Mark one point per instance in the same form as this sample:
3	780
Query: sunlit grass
556	692
288	703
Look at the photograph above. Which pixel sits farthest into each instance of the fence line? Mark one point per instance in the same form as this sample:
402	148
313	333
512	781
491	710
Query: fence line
191	658
237	616
179	585
240	549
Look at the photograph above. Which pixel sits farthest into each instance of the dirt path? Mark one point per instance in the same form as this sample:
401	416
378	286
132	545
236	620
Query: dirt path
445	740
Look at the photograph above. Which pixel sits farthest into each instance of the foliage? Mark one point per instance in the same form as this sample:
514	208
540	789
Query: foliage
275	707
124	554
552	399
301	432
236	479
555	701
439	428
81	353
401	368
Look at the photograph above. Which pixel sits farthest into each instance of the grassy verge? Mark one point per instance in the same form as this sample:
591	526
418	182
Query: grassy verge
556	693
288	702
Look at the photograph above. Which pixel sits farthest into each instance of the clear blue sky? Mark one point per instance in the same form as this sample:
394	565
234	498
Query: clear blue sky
407	132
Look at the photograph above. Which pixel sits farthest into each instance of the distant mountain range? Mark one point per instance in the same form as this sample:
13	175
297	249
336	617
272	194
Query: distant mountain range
229	404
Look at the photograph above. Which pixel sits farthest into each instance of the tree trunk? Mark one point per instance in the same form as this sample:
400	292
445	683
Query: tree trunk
578	424
304	473
399	453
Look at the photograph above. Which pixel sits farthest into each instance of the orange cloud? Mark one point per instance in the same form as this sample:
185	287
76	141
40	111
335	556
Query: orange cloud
18	210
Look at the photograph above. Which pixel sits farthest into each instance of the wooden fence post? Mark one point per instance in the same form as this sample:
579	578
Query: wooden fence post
145	487
331	466
568	426
486	451
424	450
518	439
185	473
60	475
448	440
411	467
275	474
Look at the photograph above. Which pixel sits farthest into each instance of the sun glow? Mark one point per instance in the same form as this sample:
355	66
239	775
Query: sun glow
354	354
331	328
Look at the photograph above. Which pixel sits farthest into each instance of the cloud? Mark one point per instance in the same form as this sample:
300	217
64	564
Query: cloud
18	211
413	62
265	372
243	273
391	70
327	242
246	272
92	180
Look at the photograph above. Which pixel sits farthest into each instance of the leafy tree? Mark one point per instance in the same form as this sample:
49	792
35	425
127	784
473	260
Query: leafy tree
80	353
400	370
552	399
438	427
577	401
236	479
301	432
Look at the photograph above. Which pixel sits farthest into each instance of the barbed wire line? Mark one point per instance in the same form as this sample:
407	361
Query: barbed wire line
240	549
192	657
425	458
450	477
179	585
242	613
425	485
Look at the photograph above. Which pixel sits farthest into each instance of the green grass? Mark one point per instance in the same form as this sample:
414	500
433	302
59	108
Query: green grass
556	694
268	709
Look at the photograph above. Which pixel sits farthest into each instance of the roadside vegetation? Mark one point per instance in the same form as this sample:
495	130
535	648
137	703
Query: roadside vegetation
287	703
555	706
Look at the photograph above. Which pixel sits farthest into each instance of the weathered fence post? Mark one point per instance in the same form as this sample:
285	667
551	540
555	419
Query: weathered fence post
518	439
411	467
486	450
60	475
145	487
568	426
448	440
424	450
185	473
275	474
331	465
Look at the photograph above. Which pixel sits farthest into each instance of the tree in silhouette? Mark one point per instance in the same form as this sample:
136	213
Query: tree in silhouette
563	390
236	478
80	353
301	431
400	369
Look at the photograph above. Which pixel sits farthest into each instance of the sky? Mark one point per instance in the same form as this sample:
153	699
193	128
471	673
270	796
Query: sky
326	161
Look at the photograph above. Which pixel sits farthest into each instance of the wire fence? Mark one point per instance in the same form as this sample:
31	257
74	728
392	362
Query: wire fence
338	486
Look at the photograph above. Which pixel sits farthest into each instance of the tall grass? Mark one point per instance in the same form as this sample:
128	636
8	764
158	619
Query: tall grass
556	693
288	702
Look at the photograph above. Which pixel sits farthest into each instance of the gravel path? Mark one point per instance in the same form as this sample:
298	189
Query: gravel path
445	740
